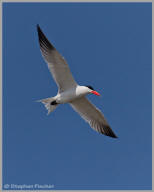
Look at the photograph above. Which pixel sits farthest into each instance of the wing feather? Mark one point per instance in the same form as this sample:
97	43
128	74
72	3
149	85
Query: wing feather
56	63
92	115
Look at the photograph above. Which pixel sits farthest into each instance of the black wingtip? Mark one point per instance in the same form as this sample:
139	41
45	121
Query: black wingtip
44	42
108	132
39	30
114	136
40	33
38	27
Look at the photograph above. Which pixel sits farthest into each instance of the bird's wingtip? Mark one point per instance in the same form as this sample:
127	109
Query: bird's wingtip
44	42
108	132
115	137
38	27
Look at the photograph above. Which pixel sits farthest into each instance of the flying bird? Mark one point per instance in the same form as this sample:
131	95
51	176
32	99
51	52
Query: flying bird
68	89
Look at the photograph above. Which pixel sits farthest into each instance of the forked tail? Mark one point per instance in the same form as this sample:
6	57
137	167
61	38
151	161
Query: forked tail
47	102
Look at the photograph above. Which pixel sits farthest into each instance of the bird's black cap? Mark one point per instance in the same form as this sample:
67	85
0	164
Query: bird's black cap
90	87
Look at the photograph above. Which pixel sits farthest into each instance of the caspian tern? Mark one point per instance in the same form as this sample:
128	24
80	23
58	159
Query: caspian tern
69	91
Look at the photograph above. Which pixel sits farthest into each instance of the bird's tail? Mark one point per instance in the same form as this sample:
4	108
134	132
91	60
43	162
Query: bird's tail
47	103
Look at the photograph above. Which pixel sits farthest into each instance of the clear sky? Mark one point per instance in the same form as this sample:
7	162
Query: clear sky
107	46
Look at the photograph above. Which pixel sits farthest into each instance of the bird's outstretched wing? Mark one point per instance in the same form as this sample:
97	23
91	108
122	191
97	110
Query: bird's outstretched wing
56	63
92	115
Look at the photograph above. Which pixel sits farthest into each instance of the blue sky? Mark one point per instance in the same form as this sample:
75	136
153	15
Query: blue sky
108	46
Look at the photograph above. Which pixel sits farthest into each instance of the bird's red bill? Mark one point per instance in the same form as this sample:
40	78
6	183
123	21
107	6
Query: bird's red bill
95	93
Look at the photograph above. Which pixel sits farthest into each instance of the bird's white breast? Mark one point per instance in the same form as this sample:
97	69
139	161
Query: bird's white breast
71	94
